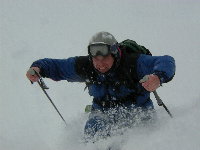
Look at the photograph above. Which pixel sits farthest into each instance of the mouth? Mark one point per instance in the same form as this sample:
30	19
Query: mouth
103	69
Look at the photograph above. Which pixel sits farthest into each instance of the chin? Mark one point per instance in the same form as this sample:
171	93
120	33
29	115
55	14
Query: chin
103	71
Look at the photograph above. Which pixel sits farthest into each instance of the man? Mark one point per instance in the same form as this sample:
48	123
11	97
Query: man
112	77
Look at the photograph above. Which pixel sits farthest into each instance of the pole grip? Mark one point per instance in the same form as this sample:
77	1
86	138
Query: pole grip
32	72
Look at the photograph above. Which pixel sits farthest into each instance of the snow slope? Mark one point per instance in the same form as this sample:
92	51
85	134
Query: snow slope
34	29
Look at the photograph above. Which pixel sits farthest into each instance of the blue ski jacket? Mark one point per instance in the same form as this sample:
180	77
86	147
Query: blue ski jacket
65	69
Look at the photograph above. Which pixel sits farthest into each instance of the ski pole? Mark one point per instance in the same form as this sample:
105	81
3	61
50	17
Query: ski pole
159	101
44	88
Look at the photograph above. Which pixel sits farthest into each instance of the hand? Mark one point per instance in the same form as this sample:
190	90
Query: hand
152	83
33	77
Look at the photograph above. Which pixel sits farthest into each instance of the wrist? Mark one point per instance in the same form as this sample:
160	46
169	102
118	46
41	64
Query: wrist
160	76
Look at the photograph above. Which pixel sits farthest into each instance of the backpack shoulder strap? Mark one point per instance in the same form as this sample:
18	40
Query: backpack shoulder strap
82	65
85	69
129	66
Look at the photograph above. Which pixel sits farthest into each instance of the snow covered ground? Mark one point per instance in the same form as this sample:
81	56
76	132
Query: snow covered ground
34	29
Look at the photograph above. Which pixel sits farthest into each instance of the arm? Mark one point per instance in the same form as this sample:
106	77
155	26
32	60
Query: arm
162	66
58	69
161	69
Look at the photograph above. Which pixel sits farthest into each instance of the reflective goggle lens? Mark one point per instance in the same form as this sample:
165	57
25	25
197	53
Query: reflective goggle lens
99	49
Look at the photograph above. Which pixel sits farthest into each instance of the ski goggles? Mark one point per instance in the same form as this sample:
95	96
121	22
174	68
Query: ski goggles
97	49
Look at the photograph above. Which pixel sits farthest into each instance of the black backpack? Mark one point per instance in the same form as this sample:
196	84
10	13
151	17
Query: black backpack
128	64
131	46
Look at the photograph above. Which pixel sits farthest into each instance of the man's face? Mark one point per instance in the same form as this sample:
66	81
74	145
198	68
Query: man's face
103	63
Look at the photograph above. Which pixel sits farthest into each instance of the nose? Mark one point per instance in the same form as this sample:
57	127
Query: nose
100	63
98	60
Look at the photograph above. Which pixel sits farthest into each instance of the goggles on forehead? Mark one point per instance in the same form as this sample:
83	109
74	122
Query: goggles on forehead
97	49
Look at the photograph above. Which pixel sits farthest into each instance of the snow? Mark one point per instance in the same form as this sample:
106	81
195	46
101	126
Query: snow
31	30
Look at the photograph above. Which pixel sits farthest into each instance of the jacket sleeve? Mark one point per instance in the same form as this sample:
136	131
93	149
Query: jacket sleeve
163	66
58	69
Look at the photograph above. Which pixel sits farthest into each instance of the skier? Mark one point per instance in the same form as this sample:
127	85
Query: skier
113	79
